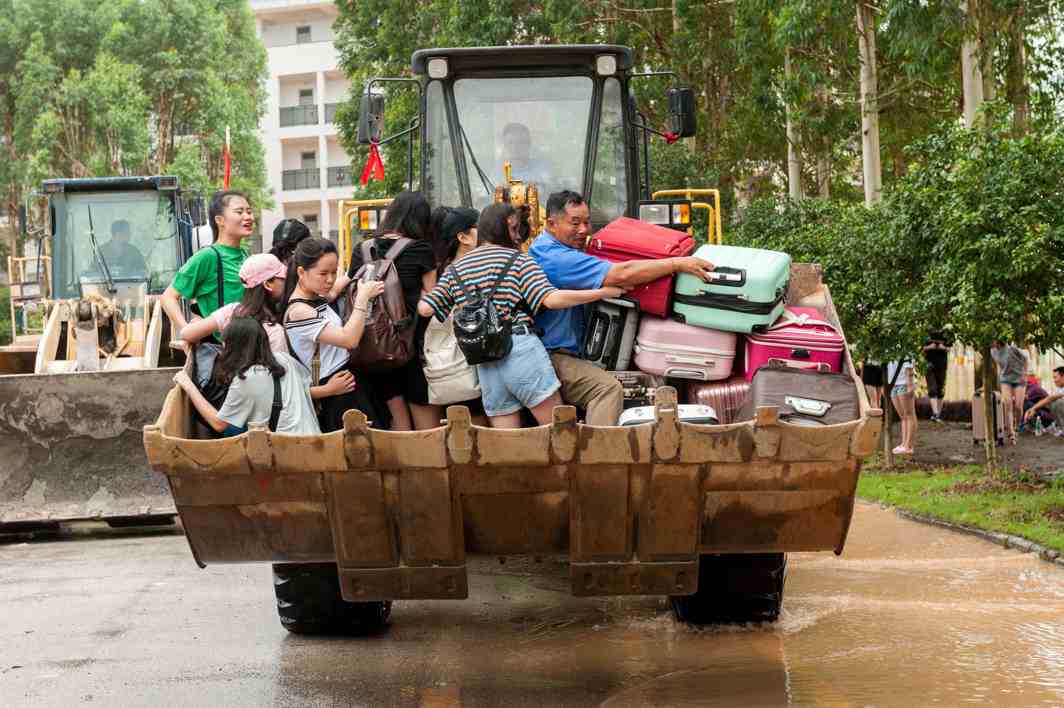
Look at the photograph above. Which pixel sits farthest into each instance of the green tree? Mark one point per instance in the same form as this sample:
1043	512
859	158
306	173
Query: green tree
118	87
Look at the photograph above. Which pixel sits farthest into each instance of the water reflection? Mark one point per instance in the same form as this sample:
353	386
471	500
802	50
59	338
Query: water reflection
910	615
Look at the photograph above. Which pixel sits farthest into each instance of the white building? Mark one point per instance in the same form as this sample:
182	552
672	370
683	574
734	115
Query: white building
307	167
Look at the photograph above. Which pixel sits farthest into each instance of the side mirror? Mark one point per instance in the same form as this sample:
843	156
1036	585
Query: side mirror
23	225
195	211
370	118
682	118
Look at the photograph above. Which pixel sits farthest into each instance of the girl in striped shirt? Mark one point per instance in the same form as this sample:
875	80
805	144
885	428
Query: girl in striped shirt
525	378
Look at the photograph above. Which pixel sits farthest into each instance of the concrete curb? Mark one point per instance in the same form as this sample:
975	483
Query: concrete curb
1002	539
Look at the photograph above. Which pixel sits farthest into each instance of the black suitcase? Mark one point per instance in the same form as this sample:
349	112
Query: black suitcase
639	388
803	396
609	336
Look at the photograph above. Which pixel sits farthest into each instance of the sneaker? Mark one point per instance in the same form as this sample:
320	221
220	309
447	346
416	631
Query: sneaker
899	450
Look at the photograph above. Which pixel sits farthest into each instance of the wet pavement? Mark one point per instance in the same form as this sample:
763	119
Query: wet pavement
909	615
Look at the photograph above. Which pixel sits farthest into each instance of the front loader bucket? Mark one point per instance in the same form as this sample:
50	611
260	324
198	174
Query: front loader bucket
71	446
633	508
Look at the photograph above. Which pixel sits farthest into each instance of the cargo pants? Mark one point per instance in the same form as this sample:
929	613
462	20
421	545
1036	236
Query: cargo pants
589	387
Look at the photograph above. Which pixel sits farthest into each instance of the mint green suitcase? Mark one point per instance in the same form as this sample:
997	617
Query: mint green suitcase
746	290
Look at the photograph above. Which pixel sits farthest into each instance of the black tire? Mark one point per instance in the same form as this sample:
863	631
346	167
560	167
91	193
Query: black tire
734	589
309	602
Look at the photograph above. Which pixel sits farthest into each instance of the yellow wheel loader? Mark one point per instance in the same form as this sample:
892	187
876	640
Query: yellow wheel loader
357	518
91	355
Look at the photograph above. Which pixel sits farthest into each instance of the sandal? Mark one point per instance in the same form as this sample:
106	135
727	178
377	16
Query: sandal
899	450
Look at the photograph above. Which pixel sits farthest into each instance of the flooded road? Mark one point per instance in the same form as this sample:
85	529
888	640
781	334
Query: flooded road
909	615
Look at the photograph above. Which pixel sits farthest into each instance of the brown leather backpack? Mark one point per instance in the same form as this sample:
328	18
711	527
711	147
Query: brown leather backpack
388	338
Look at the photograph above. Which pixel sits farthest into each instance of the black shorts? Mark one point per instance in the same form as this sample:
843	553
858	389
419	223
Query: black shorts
936	377
407	381
872	375
332	409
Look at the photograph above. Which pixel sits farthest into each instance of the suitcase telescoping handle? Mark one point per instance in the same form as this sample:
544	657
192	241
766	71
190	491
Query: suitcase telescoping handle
723	275
792	364
596	340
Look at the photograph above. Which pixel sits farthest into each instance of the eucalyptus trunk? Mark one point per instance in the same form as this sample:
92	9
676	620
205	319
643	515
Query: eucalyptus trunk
794	164
1016	78
873	169
971	73
989	386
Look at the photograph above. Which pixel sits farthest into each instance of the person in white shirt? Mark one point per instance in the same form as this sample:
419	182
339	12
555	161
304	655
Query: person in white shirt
903	396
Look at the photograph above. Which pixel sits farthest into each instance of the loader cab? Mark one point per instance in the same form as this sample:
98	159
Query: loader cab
561	115
118	235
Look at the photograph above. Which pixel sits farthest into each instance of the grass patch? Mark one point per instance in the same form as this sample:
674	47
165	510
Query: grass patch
1008	502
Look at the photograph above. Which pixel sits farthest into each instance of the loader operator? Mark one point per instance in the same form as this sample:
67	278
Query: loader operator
232	220
120	254
559	250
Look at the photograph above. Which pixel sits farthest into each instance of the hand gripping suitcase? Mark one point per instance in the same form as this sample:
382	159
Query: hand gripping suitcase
725	397
627	239
701	415
803	396
675	350
800	338
746	289
609	335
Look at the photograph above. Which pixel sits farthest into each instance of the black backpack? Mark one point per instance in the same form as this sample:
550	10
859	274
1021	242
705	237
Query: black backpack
482	335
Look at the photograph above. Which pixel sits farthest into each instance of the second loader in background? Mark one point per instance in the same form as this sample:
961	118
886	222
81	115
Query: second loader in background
91	356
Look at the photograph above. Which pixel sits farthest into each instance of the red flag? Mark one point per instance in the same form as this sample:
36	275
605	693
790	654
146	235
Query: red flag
225	181
374	168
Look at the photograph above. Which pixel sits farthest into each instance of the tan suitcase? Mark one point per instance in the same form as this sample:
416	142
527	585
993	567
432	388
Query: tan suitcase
978	427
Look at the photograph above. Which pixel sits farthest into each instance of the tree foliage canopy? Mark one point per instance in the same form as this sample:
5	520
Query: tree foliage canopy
118	87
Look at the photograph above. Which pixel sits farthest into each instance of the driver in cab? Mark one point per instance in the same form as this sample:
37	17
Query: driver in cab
517	150
122	257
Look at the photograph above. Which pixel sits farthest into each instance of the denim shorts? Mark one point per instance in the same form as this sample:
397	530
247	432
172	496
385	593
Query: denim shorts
525	378
899	390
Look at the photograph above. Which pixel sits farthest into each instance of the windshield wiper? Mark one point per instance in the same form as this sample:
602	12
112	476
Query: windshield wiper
99	254
489	187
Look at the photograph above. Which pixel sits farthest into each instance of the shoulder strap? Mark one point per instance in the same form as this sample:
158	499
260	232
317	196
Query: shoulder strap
221	279
275	411
505	270
461	282
397	248
366	247
315	360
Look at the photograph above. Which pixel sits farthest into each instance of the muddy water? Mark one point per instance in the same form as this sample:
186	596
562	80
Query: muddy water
910	615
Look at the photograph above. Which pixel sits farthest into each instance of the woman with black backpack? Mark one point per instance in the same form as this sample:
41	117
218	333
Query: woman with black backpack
495	282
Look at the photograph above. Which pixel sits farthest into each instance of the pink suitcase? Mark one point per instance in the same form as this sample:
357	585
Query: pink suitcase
672	349
800	338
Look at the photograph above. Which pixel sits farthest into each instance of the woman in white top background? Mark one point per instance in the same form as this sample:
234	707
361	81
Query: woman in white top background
903	396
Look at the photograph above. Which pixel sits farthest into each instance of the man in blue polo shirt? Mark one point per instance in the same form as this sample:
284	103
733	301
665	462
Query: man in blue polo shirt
559	250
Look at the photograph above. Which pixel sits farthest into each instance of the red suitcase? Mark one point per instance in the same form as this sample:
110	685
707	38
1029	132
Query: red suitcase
627	239
725	397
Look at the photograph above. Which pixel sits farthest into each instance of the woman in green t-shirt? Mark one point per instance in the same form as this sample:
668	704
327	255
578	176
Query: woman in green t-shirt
231	220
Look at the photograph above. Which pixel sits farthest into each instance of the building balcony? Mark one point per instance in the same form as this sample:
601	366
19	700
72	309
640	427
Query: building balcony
340	177
298	115
330	112
309	178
